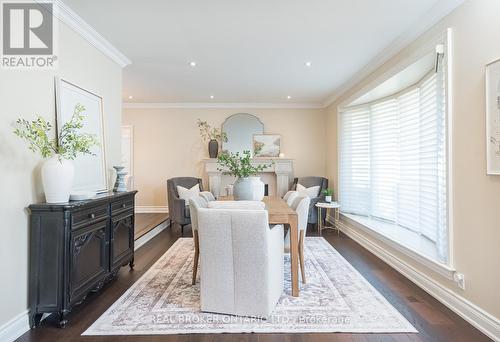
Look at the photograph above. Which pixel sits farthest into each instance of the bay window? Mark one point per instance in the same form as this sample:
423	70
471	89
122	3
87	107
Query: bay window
393	164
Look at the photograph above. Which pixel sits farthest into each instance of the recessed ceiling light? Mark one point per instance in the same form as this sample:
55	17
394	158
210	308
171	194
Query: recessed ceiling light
193	63
289	97
130	97
211	96
308	64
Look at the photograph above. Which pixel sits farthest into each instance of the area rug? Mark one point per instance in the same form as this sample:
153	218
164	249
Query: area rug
336	298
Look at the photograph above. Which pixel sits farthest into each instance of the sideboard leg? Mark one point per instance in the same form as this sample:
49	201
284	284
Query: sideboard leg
63	320
35	319
131	263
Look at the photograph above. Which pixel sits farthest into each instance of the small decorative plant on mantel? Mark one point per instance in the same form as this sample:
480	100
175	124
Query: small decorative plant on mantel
213	135
328	194
247	186
58	150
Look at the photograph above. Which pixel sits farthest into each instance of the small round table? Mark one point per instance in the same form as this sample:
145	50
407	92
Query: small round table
332	205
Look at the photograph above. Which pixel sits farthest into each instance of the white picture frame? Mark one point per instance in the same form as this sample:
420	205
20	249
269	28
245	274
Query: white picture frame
266	145
91	173
492	89
127	157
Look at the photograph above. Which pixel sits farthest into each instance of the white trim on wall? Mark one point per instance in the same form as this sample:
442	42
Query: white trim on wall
151	209
203	105
473	314
15	327
87	32
432	17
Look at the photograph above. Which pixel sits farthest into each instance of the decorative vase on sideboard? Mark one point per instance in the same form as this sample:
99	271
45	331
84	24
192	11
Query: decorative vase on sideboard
213	148
57	179
248	189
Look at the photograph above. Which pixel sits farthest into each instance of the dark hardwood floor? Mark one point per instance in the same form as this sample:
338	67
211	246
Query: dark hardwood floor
432	319
146	222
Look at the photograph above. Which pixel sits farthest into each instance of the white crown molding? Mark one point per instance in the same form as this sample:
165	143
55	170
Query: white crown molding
76	23
479	318
431	18
208	105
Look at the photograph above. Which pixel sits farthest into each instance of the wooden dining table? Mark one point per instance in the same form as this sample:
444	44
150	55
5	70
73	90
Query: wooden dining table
280	213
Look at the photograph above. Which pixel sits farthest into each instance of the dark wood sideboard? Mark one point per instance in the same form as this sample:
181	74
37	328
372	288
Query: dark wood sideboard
75	248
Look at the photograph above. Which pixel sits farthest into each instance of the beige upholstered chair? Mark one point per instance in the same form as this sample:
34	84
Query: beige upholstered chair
301	205
194	205
291	197
242	261
207	195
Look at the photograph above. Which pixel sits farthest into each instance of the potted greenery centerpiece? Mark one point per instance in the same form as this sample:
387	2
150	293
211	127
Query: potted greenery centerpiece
328	194
247	186
213	135
57	169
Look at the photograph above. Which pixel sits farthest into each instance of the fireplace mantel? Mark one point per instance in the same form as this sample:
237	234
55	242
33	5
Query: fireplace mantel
282	167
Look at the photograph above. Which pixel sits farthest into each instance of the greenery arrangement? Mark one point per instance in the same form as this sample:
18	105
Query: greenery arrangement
67	145
208	132
327	192
239	165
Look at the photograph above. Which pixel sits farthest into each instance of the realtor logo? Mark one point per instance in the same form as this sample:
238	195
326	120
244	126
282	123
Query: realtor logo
27	35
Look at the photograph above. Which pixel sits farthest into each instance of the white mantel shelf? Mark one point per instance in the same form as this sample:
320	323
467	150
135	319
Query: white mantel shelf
282	167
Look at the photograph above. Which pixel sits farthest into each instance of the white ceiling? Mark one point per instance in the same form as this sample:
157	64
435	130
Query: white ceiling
250	51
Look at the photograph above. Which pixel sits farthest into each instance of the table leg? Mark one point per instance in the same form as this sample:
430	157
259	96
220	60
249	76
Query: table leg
294	254
320	221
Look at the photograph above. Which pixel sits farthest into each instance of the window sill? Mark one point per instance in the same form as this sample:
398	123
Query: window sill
406	245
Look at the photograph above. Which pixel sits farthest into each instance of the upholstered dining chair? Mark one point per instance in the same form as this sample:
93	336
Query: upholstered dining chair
308	182
195	204
242	262
301	206
290	197
177	209
207	195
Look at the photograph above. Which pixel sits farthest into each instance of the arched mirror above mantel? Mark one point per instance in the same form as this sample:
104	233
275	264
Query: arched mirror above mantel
240	129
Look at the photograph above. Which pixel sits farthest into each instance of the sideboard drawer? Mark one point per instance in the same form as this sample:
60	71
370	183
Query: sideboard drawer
88	216
121	206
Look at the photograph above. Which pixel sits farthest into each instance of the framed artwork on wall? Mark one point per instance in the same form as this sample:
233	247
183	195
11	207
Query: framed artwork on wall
266	145
493	118
90	170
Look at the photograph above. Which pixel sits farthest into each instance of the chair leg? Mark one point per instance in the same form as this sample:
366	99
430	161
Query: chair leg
182	230
301	256
196	255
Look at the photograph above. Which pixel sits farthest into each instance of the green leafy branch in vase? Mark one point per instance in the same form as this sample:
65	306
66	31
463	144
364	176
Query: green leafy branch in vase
67	145
208	132
238	165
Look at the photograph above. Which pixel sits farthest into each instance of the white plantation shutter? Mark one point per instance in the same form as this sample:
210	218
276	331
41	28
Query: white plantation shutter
393	160
354	185
384	159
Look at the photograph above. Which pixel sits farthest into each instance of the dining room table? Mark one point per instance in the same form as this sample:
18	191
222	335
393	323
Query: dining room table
280	213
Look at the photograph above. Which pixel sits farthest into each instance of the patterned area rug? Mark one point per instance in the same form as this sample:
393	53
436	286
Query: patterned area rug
336	298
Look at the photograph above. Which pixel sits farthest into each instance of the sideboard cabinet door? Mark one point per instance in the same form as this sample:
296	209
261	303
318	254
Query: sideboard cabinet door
122	239
89	259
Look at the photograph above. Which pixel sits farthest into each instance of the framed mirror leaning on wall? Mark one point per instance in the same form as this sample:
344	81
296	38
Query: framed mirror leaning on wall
240	129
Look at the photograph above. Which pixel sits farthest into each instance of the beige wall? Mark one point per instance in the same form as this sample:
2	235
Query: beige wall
24	94
476	196
167	143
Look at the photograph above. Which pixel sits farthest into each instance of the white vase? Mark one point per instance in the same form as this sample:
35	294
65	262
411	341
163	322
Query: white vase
248	189
258	188
57	179
328	199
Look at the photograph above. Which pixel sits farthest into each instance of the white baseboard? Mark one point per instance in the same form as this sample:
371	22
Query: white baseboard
151	234
151	209
15	327
482	320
